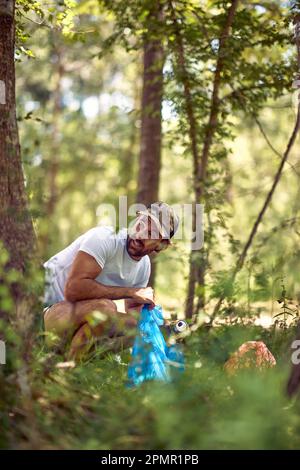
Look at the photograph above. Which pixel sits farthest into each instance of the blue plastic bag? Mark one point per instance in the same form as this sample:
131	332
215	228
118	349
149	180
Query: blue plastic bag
151	358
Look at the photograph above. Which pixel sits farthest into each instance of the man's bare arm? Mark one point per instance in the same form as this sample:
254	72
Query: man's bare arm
81	284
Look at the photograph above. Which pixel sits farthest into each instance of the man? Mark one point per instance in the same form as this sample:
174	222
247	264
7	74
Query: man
99	267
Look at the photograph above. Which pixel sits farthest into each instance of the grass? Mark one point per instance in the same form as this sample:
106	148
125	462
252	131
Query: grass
89	407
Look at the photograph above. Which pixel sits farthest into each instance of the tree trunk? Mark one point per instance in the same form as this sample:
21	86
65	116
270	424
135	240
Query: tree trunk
193	132
16	229
129	160
150	150
200	162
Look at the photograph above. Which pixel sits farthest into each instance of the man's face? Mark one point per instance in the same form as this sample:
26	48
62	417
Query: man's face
145	238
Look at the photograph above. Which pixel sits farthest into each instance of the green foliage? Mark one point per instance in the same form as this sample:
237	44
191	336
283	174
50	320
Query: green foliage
89	407
79	121
91	155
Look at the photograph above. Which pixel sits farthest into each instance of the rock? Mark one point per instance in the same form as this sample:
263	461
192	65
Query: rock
250	354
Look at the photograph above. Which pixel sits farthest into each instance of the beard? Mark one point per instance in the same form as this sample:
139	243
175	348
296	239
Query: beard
136	247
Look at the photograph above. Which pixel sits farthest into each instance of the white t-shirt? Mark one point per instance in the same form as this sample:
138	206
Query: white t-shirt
110	252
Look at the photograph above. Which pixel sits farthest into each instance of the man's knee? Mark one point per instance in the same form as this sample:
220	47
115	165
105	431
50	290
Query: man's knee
57	324
85	311
106	305
87	307
55	311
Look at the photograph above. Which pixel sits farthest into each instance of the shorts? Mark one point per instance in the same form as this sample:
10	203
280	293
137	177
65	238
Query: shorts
50	296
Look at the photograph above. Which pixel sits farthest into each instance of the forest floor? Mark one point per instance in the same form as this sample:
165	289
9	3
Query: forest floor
90	407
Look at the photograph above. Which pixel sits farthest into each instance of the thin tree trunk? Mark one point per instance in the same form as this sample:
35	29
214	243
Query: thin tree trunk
150	152
180	52
211	129
16	229
200	161
243	255
151	130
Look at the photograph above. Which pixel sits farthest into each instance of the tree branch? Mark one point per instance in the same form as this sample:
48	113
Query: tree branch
242	257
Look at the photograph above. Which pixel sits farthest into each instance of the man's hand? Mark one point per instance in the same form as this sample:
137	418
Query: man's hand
144	296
